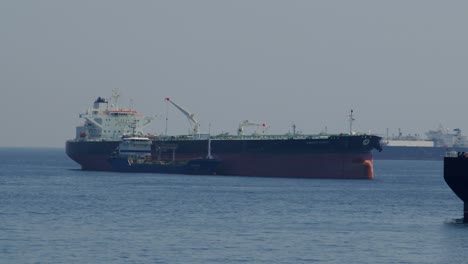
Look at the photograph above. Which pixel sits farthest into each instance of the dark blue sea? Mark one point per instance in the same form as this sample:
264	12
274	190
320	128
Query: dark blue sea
52	212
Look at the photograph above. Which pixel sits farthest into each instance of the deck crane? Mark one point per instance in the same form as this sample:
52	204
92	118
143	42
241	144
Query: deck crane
247	123
190	117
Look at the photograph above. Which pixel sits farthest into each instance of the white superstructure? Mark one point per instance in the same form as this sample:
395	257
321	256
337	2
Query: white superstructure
135	146
108	122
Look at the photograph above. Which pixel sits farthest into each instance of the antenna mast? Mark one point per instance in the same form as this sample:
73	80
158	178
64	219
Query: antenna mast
167	118
351	119
115	97
209	143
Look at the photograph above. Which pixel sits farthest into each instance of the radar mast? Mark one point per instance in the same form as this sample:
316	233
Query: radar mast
351	119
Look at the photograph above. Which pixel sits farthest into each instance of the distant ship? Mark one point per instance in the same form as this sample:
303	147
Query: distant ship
342	156
413	147
456	177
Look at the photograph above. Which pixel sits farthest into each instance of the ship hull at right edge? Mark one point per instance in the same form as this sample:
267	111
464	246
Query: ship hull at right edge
456	176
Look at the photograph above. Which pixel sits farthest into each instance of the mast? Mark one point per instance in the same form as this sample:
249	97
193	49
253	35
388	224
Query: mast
209	143
351	119
209	148
115	98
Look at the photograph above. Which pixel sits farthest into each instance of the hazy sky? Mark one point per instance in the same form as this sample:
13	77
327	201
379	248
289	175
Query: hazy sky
397	64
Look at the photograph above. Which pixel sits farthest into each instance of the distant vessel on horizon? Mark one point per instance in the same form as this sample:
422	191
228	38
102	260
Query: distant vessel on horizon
414	147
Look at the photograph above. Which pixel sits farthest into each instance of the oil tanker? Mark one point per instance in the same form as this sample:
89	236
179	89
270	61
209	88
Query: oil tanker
341	156
433	146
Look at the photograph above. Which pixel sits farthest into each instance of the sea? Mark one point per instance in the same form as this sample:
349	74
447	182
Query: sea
53	212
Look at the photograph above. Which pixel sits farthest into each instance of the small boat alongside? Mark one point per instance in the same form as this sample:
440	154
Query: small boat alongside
134	154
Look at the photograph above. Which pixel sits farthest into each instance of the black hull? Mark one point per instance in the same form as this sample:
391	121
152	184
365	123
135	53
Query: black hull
342	157
456	177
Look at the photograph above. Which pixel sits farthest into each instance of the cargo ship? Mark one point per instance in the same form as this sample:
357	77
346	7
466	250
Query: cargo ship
456	177
433	146
134	155
342	156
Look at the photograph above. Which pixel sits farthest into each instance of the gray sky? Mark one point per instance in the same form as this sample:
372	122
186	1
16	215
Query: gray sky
398	64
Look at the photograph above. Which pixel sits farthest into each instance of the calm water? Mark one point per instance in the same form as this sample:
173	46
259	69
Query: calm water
51	212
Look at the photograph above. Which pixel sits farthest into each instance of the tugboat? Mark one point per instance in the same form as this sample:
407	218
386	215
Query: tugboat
456	177
134	155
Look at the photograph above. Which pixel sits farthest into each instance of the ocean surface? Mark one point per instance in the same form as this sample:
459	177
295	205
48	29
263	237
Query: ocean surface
52	212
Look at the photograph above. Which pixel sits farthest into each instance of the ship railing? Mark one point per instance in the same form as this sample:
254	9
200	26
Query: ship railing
224	137
95	139
245	137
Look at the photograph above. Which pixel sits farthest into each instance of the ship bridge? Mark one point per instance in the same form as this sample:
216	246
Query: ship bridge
105	121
